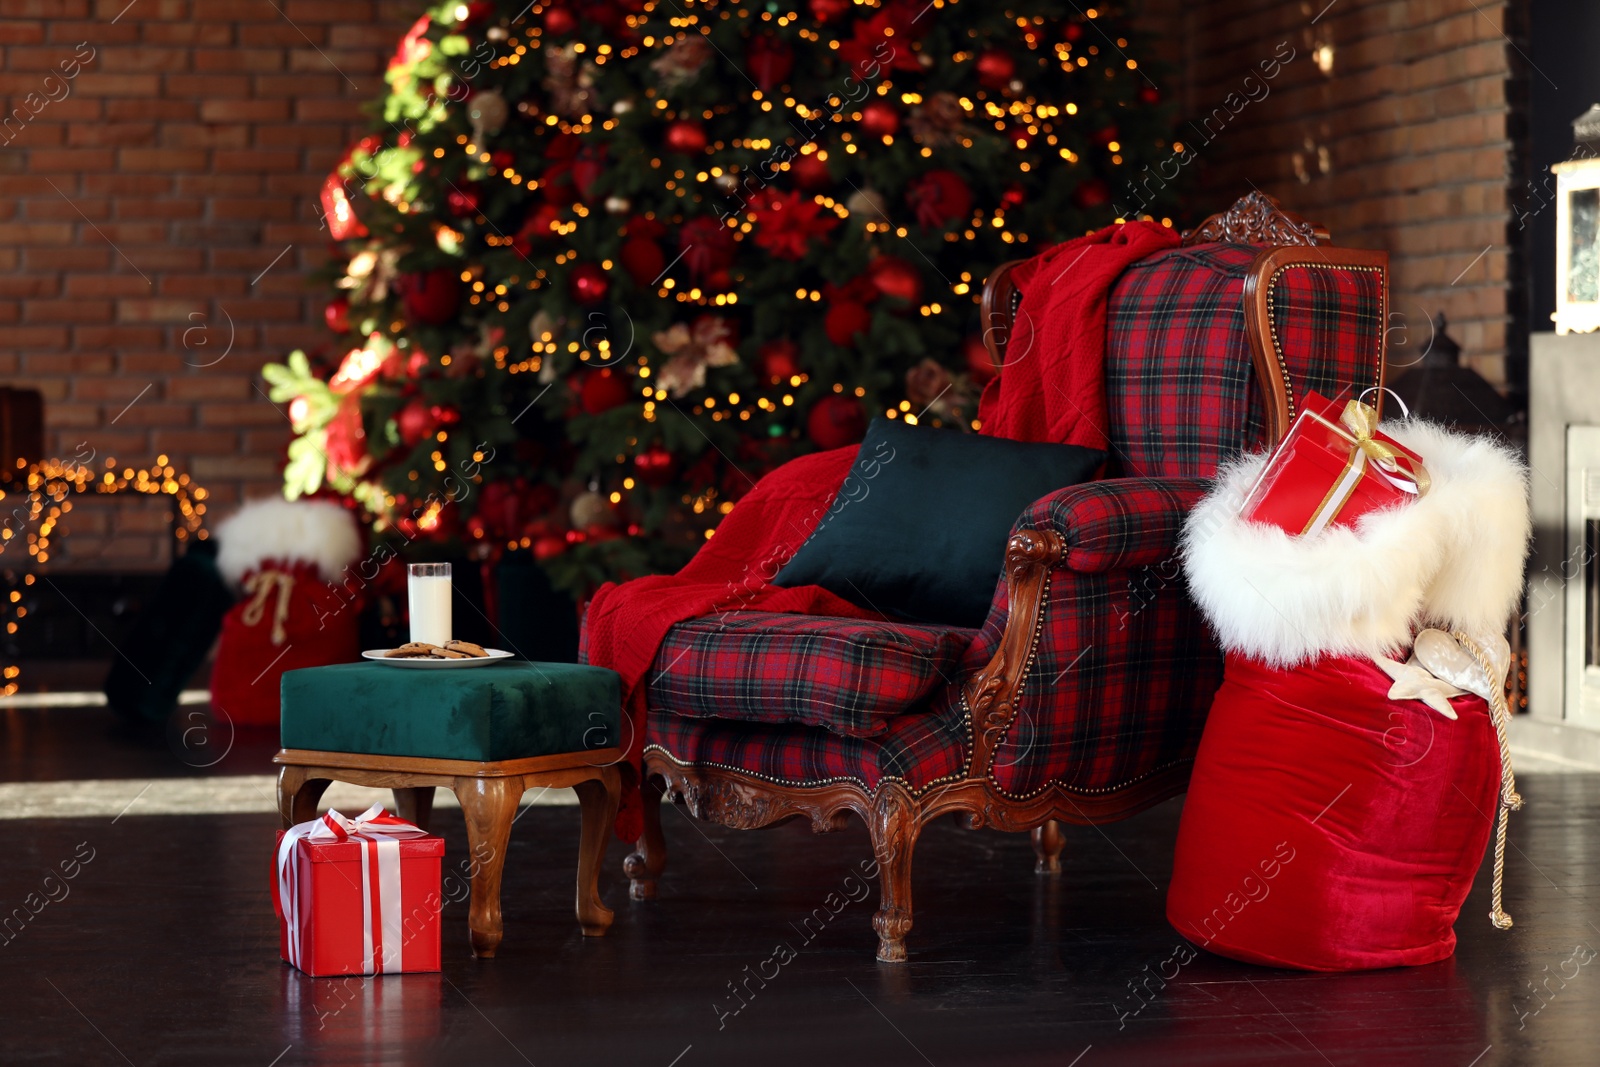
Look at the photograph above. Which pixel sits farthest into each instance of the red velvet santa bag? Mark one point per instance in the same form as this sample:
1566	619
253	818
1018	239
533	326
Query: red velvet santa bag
288	618
1333	822
1328	827
297	605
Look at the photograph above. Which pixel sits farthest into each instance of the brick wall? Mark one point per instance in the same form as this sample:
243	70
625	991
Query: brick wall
1389	125
158	179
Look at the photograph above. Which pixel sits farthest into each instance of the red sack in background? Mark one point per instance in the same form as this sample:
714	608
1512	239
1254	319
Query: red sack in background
288	618
1328	827
293	565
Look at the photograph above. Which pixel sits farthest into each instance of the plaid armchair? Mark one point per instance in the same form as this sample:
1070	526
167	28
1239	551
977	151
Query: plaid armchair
1083	695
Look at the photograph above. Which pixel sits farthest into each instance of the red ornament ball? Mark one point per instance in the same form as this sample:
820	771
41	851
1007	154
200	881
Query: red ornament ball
655	466
836	421
880	119
939	198
445	414
1091	194
811	173
1072	31
829	10
337	314
559	21
686	136
539	226
589	283
1149	94
431	297
845	321
1104	137
415	422
996	68
463	200
643	259
896	277
780	360
549	546
603	390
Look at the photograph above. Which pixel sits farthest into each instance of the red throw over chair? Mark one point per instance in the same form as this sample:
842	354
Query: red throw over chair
1082	697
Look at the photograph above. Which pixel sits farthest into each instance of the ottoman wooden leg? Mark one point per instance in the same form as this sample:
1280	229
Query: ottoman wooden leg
414	804
645	864
490	805
298	795
599	797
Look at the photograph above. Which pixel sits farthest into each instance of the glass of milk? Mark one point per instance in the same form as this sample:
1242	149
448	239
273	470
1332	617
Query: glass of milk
428	587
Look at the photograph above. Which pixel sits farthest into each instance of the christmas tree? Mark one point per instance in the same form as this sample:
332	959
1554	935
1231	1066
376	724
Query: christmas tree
602	263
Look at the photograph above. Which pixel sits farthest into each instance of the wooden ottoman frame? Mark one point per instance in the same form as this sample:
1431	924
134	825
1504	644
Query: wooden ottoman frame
489	792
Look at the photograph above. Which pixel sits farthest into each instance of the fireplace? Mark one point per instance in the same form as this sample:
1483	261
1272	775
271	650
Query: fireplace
1563	606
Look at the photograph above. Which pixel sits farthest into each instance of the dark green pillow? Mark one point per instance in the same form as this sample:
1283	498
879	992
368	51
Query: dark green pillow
919	527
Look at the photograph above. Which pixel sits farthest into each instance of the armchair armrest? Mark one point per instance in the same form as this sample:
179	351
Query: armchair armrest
1117	523
1091	529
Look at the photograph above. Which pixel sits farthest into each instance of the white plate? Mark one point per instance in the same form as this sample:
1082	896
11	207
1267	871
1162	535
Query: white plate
377	656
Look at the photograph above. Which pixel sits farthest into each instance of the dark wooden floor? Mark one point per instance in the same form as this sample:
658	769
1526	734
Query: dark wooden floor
163	950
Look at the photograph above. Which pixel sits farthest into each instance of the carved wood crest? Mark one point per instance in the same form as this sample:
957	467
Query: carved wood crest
1257	219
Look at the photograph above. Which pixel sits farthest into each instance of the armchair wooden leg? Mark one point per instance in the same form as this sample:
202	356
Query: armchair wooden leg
895	825
1048	841
649	858
489	805
298	795
414	804
599	800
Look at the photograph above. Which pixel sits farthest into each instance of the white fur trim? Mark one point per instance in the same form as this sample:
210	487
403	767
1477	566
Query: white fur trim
1452	559
311	531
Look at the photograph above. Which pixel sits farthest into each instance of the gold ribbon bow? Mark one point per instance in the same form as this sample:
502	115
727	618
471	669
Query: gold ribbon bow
262	584
1361	421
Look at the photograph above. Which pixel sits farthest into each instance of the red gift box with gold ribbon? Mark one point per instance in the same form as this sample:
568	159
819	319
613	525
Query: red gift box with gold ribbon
358	896
1331	468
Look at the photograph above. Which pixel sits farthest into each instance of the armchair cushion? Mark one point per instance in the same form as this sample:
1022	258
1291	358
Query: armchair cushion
919	748
1121	522
849	676
918	529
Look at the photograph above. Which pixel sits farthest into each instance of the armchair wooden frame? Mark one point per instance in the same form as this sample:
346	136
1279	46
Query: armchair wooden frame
893	812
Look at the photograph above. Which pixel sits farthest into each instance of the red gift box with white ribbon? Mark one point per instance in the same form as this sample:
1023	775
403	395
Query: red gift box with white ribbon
1331	468
358	896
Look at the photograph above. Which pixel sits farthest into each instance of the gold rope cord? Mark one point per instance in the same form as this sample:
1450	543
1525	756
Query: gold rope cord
1500	715
263	584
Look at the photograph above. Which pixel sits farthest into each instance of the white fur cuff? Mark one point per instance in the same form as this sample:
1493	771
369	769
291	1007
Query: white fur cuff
313	531
1452	559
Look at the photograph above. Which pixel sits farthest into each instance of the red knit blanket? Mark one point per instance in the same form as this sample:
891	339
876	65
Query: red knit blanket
1052	389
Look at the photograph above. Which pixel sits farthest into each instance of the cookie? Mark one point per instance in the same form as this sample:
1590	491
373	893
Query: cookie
413	650
449	653
467	648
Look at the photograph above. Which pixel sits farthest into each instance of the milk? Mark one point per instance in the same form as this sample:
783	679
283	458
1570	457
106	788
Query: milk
429	595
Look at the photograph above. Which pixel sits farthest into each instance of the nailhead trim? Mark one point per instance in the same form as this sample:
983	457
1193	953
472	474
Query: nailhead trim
1272	326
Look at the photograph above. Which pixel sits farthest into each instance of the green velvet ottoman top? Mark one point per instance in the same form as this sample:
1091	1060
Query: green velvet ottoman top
505	711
